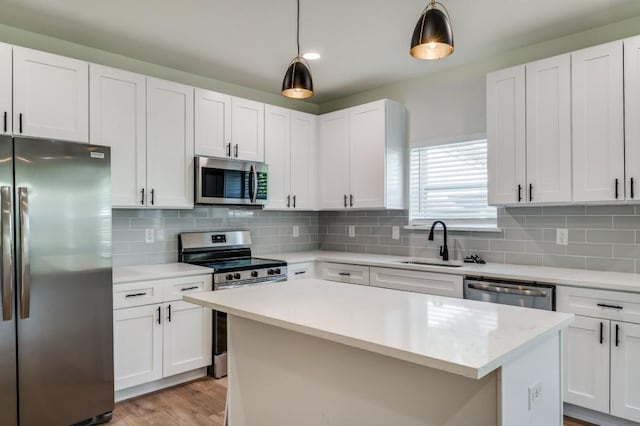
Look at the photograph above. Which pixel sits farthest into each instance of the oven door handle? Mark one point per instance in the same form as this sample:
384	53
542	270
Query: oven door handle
506	290
254	187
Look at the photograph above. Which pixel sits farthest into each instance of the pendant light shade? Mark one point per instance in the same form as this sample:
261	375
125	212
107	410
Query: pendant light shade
433	36
297	82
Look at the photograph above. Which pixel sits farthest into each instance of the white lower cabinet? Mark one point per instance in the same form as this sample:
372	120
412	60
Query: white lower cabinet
159	340
297	271
418	281
625	370
353	274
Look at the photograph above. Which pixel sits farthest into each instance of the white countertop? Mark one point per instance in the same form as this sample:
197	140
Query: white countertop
126	274
618	281
459	336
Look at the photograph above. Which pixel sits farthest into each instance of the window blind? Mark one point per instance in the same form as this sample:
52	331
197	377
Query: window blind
450	182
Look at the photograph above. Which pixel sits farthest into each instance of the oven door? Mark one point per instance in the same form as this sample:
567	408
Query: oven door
232	182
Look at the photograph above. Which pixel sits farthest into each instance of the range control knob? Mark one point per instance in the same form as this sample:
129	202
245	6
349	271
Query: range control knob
229	277
278	271
254	274
270	272
236	275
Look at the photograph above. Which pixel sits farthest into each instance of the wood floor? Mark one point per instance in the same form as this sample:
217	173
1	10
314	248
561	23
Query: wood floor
197	403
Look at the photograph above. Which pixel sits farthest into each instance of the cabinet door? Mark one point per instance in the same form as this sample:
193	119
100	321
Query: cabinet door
187	337
506	136
353	274
549	130
304	161
137	345
50	96
118	120
586	363
632	117
6	88
277	141
334	160
169	144
598	132
367	141
247	130
212	123
297	271
625	370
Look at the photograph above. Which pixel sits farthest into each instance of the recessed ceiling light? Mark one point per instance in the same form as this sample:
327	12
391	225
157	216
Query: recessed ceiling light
311	56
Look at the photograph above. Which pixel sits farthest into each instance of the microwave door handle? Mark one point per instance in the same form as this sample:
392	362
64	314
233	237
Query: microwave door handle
254	176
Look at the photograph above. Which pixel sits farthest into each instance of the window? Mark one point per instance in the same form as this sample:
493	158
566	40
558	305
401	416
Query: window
449	182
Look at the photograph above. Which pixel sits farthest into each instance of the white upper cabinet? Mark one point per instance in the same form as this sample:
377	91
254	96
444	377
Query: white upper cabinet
632	116
169	144
277	156
625	370
212	123
303	161
334	160
506	136
118	120
247	130
6	89
548	93
50	96
598	132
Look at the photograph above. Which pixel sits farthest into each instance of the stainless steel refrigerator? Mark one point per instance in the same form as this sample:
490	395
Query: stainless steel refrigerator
56	338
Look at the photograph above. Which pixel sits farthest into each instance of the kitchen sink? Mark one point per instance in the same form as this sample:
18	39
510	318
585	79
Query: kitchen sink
434	263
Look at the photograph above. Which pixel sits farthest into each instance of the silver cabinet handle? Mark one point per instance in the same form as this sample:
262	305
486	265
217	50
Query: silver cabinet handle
254	176
507	290
7	253
25	274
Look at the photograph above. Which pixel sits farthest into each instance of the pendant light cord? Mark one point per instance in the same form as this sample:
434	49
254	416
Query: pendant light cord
298	29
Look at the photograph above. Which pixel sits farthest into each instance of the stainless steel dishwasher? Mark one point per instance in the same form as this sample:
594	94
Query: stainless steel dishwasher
507	292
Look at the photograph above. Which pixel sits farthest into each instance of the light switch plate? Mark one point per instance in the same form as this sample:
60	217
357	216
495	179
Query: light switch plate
352	231
296	231
395	232
149	236
562	236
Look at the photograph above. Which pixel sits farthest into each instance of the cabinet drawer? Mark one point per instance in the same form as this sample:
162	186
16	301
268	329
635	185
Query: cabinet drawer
175	288
417	281
137	294
298	271
354	274
614	305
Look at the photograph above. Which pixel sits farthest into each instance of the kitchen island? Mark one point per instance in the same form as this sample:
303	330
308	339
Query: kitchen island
315	352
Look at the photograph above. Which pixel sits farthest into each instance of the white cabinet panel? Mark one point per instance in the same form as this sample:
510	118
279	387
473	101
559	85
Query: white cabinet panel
549	129
175	288
137	335
586	363
334	160
297	271
137	294
598	132
6	89
247	129
278	156
353	274
632	116
212	123
506	136
304	161
187	337
625	370
50	96
613	305
118	120
418	282
169	144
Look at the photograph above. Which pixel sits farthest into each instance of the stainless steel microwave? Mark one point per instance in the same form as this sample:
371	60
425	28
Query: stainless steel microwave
230	182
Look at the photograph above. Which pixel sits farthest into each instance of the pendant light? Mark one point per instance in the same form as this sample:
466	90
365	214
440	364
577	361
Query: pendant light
432	37
297	82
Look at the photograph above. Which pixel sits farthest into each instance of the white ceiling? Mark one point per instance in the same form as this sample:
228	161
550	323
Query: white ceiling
364	43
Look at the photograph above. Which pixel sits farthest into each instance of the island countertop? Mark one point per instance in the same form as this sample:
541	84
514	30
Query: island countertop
464	337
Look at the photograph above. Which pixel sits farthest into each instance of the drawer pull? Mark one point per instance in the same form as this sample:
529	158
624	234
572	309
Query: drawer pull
601	333
617	335
189	288
300	272
604	305
136	294
344	274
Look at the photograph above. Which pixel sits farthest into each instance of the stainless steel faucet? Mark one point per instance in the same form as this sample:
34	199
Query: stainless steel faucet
444	251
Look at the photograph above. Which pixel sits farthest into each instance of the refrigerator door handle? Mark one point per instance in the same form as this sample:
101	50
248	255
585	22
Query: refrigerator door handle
7	252
25	275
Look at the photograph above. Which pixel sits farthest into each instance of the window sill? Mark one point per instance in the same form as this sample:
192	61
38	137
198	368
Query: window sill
459	228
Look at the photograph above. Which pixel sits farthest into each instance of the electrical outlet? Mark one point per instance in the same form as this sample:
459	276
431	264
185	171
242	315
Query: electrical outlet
395	232
562	236
352	231
535	392
149	236
296	231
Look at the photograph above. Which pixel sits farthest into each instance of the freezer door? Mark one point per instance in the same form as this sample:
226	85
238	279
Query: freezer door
8	387
64	301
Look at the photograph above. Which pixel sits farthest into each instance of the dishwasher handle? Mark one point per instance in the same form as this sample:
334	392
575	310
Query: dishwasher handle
496	288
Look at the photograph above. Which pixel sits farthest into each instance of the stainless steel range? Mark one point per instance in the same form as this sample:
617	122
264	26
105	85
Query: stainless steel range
228	254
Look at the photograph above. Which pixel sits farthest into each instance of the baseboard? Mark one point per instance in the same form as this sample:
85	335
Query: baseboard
595	417
157	385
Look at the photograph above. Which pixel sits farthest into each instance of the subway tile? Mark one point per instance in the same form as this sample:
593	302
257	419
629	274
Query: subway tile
563	210
511	221
590	249
611	210
367	220
524	234
546	222
545	247
400	251
377	250
626	222
574	262
385	231
589	222
523	259
610	236
492	257
608	264
508	246
626	251
576	235
523	211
